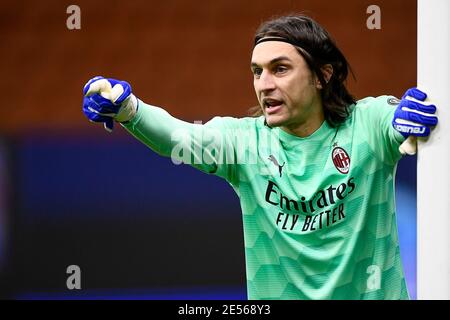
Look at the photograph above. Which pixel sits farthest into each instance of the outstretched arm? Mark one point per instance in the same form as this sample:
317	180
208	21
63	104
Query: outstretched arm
202	146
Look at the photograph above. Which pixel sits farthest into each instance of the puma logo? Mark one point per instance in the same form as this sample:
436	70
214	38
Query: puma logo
275	162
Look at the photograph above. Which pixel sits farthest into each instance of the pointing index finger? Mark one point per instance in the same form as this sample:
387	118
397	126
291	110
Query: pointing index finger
97	86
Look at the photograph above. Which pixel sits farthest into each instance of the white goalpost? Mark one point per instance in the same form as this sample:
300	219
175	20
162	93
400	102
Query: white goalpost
433	159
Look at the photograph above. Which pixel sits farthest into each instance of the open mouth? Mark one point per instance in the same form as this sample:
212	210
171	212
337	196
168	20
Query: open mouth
272	105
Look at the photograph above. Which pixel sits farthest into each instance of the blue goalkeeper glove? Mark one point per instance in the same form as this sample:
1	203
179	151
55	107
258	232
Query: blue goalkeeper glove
106	100
414	116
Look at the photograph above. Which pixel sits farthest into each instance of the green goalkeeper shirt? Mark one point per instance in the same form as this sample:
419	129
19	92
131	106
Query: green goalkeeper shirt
318	212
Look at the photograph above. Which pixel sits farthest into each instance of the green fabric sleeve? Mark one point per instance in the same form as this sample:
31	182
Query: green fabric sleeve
203	146
375	122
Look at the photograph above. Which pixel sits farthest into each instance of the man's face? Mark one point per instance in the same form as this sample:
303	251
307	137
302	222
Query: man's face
287	91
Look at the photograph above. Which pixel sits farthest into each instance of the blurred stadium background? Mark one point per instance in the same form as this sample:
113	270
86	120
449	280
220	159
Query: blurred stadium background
138	226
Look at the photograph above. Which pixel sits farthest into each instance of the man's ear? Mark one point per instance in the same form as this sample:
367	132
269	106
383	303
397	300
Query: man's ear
327	72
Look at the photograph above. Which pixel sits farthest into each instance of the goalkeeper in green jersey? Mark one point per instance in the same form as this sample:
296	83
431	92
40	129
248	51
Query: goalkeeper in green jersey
314	169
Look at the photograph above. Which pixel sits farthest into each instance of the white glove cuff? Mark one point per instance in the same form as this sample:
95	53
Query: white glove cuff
128	109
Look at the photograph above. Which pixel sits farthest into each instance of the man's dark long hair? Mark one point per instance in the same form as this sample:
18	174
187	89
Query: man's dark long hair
317	47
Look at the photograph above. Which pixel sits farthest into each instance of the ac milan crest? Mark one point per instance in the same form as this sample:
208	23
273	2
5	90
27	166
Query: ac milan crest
341	160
